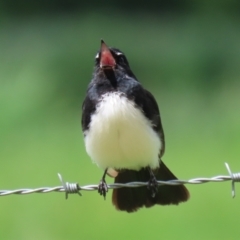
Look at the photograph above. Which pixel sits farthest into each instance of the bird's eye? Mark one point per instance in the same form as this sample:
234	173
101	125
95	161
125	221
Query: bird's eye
121	59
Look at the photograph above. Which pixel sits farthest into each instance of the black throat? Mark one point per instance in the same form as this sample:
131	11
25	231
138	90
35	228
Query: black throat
110	75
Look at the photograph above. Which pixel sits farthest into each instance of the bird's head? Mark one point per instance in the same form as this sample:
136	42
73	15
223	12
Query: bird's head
109	58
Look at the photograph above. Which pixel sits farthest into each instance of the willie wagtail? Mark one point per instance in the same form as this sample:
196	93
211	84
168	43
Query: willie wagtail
124	136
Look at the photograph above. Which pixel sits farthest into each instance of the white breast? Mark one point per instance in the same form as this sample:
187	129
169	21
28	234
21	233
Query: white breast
120	136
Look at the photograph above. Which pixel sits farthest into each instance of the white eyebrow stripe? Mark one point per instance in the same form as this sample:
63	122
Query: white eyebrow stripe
119	53
97	56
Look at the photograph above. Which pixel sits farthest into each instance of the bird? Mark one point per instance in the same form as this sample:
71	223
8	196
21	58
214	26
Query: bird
123	135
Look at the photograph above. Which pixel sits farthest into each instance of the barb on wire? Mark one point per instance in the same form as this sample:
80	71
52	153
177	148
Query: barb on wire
73	188
235	178
69	187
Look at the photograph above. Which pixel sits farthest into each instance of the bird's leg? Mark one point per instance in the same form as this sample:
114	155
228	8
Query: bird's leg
102	186
152	183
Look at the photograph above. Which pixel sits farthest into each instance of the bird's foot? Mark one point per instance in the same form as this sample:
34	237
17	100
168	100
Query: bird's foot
103	188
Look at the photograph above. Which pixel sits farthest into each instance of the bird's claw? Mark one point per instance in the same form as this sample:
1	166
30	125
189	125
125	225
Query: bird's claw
103	188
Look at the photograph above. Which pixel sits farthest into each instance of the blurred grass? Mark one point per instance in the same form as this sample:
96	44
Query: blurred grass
190	63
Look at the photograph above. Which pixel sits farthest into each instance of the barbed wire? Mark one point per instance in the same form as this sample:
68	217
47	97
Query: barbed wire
75	188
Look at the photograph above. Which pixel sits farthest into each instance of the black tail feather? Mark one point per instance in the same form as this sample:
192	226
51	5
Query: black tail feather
131	199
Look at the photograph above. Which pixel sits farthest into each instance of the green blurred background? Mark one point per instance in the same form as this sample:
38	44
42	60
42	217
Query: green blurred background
186	52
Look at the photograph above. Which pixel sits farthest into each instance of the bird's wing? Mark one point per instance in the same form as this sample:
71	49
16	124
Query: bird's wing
88	107
146	101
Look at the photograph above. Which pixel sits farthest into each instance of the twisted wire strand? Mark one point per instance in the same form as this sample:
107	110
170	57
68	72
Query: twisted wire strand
75	188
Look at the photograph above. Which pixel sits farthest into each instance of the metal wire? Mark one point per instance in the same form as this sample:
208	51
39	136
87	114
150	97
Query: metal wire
73	188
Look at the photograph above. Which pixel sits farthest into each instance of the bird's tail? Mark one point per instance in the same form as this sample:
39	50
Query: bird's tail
131	199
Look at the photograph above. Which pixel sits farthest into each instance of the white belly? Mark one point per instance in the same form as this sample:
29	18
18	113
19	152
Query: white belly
120	136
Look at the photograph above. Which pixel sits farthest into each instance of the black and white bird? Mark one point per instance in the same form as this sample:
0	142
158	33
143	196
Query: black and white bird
123	134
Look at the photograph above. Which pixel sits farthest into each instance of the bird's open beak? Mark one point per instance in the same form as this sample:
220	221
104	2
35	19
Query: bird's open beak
107	60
